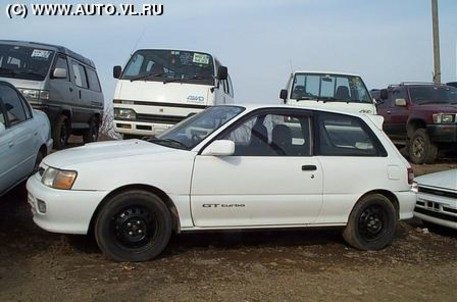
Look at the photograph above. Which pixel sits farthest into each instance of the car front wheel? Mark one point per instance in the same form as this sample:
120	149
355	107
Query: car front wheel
133	226
421	149
372	223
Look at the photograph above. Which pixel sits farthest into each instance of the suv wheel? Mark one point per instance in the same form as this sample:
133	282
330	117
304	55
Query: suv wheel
61	132
421	150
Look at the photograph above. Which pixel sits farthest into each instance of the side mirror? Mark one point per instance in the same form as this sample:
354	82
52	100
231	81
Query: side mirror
220	148
384	94
283	95
59	73
117	70
400	102
222	73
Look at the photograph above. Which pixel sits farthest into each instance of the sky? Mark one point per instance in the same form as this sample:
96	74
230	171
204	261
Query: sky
261	42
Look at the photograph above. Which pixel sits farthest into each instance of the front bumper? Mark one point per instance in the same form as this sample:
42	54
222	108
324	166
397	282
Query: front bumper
68	212
443	133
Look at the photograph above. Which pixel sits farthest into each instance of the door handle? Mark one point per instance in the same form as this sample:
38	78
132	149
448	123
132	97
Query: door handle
308	168
71	89
79	93
10	144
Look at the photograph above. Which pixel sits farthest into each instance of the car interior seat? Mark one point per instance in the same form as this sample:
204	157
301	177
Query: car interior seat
281	139
342	93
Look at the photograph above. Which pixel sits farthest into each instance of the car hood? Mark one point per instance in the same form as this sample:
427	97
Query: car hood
103	151
444	179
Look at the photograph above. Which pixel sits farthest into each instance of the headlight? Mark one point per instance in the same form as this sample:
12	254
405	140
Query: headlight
35	94
415	187
125	114
443	118
59	179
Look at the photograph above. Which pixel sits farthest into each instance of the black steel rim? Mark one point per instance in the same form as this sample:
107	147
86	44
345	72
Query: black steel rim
372	222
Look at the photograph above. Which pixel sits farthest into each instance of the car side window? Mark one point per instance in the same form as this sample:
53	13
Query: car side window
272	134
13	105
342	135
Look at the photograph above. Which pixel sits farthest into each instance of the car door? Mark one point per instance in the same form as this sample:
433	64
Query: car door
17	155
271	179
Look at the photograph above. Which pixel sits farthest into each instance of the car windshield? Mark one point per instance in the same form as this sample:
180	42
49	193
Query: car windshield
170	66
191	131
329	87
28	63
433	95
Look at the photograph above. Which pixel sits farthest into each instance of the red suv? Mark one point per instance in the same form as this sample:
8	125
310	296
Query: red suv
421	115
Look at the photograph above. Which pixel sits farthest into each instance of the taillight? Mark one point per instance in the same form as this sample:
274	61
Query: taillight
410	176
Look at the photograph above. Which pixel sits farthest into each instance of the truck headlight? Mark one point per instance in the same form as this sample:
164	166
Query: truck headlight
124	114
59	179
443	118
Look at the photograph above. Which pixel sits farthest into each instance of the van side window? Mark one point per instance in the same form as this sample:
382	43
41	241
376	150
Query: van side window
62	63
79	72
94	83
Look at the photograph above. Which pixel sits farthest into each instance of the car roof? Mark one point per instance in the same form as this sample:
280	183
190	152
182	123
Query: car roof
326	72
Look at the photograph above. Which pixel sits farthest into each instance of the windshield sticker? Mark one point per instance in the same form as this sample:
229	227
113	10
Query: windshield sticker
201	58
40	53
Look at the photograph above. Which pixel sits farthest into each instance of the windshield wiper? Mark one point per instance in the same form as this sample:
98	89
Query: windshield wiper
147	75
168	142
7	71
304	98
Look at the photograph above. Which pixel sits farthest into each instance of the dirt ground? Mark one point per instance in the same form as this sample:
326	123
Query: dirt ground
296	265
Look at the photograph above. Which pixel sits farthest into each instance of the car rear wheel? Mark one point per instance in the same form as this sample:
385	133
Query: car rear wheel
372	223
133	226
61	132
421	150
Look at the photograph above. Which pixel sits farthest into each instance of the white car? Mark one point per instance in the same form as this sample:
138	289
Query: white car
229	167
25	138
437	198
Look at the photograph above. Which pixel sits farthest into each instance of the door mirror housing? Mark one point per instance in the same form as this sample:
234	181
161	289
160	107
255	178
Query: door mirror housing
117	70
283	95
59	73
222	73
400	102
220	148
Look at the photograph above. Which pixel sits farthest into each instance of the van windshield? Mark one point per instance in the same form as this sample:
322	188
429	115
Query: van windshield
21	62
170	66
329	87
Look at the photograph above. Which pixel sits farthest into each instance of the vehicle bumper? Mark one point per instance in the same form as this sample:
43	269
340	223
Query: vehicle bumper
436	209
406	201
443	133
140	128
68	212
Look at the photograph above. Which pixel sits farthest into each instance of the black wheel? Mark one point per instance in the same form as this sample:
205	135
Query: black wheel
91	134
133	226
372	223
61	132
421	150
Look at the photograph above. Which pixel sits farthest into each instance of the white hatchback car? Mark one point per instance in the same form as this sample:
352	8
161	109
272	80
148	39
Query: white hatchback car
229	167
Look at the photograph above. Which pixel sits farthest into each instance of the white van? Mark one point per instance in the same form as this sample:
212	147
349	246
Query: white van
160	87
331	90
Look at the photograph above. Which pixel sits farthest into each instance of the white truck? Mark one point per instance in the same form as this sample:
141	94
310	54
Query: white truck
331	90
160	87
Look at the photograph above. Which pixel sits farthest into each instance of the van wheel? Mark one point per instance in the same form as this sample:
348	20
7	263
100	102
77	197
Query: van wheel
61	132
39	158
133	226
91	134
421	150
372	223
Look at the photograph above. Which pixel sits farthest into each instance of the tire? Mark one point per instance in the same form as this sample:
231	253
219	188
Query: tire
91	134
61	132
372	223
420	149
133	226
39	157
